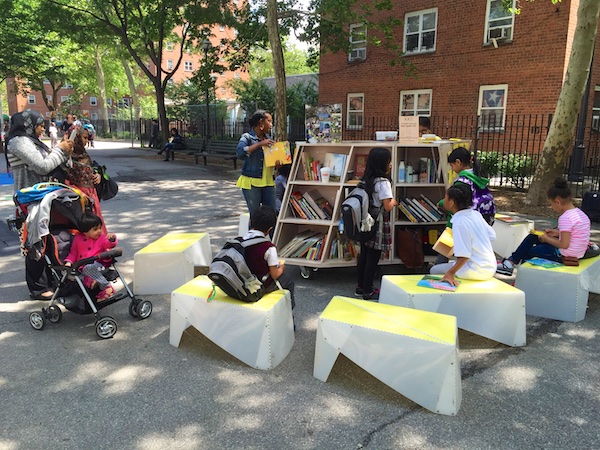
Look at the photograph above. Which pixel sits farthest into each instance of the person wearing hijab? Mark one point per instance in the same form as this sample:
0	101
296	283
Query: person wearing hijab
31	161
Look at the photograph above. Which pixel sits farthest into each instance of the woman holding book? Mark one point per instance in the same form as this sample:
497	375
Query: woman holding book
257	182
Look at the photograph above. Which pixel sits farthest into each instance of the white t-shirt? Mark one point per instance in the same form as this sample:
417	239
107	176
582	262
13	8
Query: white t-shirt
473	239
271	254
381	191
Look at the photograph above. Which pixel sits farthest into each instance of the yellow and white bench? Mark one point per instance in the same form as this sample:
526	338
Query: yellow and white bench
413	352
560	293
169	262
509	235
259	334
491	308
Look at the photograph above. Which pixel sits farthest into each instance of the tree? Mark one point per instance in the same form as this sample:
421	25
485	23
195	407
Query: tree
560	135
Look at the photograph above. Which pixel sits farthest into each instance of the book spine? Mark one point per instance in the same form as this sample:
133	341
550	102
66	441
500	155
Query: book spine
406	212
307	209
296	206
432	205
435	215
317	209
414	210
422	211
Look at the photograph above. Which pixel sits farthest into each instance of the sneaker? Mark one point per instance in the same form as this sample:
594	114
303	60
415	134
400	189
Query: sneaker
373	295
505	268
358	292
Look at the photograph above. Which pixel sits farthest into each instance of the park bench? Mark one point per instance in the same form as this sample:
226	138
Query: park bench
193	147
220	149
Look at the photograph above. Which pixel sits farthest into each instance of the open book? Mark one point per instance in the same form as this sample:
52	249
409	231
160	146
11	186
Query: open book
279	151
543	262
434	282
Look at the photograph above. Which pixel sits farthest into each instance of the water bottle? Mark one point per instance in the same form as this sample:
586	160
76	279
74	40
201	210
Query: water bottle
409	173
401	172
341	226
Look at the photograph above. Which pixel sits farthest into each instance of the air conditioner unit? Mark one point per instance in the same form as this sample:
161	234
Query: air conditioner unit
499	34
358	53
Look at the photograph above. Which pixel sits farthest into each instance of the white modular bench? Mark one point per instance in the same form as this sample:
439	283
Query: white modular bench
244	224
259	334
413	352
509	236
169	262
560	293
491	308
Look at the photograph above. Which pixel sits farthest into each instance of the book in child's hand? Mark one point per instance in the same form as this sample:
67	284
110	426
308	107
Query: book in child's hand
543	262
435	282
536	232
279	151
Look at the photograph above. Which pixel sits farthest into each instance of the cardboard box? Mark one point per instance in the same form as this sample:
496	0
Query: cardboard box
445	243
386	135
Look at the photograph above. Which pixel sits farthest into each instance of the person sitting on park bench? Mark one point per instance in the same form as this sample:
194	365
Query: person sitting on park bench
175	143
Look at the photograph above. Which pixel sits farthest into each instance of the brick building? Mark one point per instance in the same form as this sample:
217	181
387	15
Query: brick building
471	58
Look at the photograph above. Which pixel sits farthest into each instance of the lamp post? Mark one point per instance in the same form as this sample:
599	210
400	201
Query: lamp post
206	45
115	106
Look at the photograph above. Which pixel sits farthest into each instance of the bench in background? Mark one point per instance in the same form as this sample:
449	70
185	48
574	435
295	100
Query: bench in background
220	149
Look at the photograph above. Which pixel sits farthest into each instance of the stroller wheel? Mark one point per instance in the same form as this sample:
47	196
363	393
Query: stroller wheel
144	309
37	320
54	314
106	327
133	310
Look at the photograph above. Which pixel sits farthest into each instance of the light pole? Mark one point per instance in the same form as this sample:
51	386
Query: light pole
116	107
206	45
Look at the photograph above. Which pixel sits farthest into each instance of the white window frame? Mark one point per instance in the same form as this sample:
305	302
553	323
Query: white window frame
481	108
109	102
31	99
67	85
93	116
350	125
596	110
169	46
64	98
170	64
420	32
499	32
358	42
416	111
171	82
221	27
188	66
49	98
46	81
93	101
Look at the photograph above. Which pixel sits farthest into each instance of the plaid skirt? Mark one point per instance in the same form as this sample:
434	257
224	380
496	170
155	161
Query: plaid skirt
383	238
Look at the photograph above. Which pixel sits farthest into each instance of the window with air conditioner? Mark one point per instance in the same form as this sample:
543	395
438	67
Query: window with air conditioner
420	31
356	111
415	103
31	99
358	42
499	22
492	107
93	101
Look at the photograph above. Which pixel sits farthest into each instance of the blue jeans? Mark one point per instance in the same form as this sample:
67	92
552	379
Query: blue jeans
256	196
531	247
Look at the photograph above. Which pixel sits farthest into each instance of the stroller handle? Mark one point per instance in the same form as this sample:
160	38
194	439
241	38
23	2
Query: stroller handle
117	251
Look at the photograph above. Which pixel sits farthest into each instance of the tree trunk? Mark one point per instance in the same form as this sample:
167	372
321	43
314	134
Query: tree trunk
101	84
560	136
162	111
279	69
135	98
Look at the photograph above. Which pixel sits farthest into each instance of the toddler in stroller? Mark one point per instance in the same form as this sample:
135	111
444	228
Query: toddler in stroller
54	214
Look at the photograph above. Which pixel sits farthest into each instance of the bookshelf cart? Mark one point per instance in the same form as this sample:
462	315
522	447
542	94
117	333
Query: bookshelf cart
293	224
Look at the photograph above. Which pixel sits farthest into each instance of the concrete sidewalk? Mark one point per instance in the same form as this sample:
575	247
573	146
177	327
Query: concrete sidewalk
63	388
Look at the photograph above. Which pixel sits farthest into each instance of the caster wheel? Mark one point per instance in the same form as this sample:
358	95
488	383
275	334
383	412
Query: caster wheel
144	309
54	314
305	272
37	320
106	327
133	310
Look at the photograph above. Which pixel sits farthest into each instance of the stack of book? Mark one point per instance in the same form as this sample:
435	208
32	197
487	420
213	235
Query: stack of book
343	249
311	168
310	206
307	244
420	210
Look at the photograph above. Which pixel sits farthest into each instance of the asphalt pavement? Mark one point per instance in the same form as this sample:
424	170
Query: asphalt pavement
63	388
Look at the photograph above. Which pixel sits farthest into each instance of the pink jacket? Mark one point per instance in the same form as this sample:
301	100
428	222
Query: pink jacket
84	247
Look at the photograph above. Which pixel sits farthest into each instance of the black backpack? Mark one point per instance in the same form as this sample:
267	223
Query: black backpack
591	205
230	272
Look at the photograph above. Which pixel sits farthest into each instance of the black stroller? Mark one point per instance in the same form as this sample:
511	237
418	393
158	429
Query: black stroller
51	212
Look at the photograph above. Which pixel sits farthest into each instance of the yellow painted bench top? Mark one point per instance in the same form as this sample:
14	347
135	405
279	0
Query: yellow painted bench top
408	283
575	270
172	243
409	322
201	287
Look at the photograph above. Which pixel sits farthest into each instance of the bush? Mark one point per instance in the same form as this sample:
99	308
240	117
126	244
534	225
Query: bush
515	168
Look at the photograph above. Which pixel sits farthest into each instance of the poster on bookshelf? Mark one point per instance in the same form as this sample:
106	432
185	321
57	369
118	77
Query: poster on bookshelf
323	123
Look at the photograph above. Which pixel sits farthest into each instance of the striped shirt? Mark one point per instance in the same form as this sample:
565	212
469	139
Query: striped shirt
576	222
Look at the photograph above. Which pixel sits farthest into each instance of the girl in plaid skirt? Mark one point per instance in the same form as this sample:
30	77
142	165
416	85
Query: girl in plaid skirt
378	185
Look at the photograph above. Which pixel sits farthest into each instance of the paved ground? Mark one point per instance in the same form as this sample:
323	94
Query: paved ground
62	388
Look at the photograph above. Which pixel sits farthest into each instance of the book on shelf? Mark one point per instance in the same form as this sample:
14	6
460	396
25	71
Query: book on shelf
419	210
427	216
406	212
432	205
312	213
420	216
433	213
300	244
318	203
337	163
279	151
543	262
435	282
296	206
304	163
360	164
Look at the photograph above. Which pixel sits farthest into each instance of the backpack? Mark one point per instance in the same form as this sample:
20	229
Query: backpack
591	205
230	272
357	222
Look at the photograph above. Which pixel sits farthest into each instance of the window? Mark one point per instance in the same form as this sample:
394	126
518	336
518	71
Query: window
358	42
49	98
47	113
354	120
492	106
93	101
171	82
169	64
188	66
596	110
170	46
415	103
46	81
236	76
419	31
499	23
94	116
223	90
31	99
109	102
67	85
64	98
221	27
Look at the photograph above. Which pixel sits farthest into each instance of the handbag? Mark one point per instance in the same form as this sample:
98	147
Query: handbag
409	247
107	188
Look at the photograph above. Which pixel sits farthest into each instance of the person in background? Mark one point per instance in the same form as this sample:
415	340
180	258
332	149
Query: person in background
378	186
473	236
175	143
424	125
65	125
570	240
283	174
31	161
91	134
53	132
256	181
154	131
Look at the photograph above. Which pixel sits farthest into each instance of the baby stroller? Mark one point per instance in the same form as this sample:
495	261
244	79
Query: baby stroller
52	212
